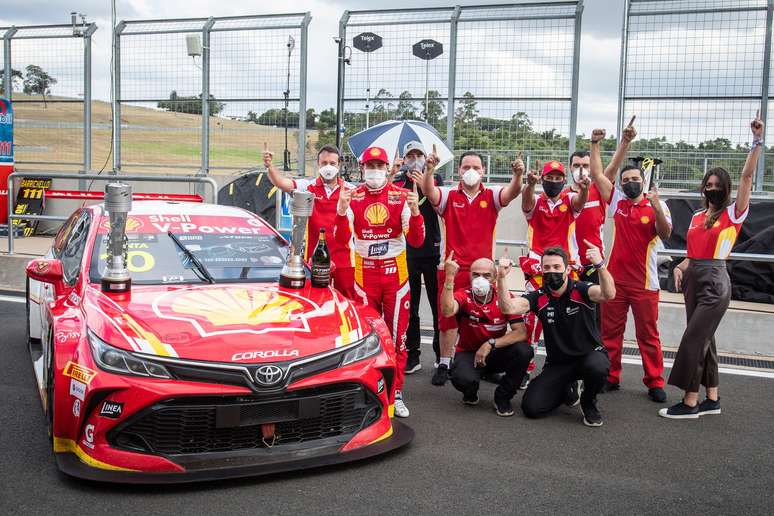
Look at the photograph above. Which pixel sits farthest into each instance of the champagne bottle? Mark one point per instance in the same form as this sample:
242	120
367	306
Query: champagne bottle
321	263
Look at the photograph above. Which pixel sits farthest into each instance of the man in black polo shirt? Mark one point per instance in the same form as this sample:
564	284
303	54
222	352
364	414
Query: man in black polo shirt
422	261
574	350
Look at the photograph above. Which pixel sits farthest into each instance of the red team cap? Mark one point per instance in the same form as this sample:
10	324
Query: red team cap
375	154
553	166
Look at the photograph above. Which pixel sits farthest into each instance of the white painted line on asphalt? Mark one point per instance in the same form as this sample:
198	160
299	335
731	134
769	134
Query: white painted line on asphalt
669	363
12	299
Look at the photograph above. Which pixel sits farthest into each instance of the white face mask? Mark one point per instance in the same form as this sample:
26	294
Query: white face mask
471	177
375	178
579	173
415	164
328	172
480	286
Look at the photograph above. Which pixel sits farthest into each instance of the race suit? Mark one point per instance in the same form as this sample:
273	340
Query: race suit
381	223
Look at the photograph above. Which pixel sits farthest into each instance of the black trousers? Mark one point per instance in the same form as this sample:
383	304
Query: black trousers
590	273
707	292
549	390
511	360
419	268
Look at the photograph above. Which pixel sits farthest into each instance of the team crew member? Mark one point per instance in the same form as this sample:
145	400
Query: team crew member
706	285
485	345
550	221
641	222
326	189
382	218
573	347
422	261
469	213
589	225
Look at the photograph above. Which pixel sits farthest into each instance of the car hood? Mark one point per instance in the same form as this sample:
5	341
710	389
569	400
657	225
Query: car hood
243	323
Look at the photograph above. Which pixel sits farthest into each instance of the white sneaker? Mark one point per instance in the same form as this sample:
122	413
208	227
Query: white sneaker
401	410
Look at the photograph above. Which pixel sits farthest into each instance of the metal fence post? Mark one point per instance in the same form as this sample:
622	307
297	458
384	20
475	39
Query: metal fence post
302	96
760	174
86	104
452	88
575	68
340	85
622	71
8	72
205	151
117	97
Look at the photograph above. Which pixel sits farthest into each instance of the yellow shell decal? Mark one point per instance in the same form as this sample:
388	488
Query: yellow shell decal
375	151
562	208
644	219
377	214
237	306
555	164
483	204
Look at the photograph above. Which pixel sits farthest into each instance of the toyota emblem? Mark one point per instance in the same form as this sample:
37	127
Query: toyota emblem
268	375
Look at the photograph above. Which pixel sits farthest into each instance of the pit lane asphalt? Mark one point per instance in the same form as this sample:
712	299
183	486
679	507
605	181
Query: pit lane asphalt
463	460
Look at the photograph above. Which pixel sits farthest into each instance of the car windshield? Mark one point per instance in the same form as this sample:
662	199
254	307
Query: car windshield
229	249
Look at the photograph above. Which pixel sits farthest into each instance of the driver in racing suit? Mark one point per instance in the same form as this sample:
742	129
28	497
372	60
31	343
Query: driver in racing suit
382	217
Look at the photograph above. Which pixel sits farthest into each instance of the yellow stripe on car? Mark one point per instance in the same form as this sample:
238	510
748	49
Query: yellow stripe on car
62	445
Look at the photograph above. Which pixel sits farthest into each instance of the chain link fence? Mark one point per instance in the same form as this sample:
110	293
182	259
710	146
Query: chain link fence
506	81
207	93
694	72
46	72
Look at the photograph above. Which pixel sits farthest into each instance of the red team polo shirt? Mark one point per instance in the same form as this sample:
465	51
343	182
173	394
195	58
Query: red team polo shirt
468	223
324	217
717	241
634	259
549	224
480	322
589	225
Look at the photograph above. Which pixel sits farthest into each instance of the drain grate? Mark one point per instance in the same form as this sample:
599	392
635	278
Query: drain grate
728	360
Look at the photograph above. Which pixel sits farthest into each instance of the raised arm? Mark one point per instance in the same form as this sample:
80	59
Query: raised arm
431	191
663	221
603	182
605	291
449	305
744	189
412	220
513	189
508	305
579	201
628	135
528	193
275	176
342	230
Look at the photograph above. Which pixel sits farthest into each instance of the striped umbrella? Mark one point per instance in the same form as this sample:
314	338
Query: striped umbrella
392	135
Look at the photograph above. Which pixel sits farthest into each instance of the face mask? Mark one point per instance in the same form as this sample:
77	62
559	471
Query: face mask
375	178
471	177
415	164
578	173
553	188
328	172
632	189
715	197
480	286
553	280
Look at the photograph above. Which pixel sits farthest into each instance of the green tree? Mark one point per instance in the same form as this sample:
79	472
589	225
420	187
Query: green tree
38	82
467	111
327	119
311	118
435	108
191	105
16	76
406	109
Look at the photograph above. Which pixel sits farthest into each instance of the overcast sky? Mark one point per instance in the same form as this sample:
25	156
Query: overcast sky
600	42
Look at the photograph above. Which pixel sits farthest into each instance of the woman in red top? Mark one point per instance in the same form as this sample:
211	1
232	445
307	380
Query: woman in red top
706	285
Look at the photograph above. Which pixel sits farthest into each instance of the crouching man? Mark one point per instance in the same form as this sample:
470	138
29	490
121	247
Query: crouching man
574	350
485	344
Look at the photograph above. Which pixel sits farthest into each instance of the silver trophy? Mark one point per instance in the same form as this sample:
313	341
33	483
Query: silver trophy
293	275
118	203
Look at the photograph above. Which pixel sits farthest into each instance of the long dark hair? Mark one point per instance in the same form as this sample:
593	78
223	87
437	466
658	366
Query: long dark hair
713	213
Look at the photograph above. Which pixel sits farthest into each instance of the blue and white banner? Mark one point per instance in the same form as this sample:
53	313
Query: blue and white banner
6	132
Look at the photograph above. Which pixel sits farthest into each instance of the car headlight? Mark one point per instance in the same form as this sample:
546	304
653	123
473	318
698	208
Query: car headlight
368	347
117	360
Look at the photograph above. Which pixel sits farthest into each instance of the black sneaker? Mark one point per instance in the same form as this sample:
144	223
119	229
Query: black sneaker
610	387
524	382
412	365
709	406
573	393
503	408
441	375
470	399
591	415
680	411
657	394
492	377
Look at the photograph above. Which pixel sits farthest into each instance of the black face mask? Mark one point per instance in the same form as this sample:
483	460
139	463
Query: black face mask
553	280
632	189
553	188
715	197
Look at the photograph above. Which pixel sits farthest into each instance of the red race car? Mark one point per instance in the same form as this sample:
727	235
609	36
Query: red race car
205	368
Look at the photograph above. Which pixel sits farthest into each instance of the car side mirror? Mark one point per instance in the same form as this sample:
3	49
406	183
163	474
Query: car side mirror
47	271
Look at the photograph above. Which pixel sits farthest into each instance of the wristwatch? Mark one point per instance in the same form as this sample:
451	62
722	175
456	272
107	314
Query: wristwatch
491	342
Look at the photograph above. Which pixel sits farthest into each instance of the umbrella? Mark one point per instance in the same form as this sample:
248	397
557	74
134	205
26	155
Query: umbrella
392	135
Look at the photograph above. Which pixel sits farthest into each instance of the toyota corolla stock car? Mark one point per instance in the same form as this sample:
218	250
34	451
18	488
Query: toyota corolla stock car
205	368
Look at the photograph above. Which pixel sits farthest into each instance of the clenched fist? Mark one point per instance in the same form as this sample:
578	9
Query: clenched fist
345	198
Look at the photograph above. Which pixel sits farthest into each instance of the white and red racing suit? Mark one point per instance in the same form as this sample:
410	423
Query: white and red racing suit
381	223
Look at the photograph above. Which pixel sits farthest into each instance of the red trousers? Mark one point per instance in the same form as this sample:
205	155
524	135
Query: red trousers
644	305
383	285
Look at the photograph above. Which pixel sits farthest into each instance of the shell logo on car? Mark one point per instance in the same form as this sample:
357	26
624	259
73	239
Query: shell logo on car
133	224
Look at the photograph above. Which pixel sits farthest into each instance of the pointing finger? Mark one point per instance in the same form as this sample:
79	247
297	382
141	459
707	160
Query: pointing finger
451	256
415	186
758	114
588	244
434	150
631	122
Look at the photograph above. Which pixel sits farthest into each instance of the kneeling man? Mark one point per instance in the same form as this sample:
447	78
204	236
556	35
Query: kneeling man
485	344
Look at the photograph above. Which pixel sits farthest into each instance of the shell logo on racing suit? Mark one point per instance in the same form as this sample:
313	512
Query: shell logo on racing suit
377	214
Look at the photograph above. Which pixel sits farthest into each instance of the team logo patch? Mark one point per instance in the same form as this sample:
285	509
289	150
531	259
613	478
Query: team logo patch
483	204
562	208
644	219
111	409
80	373
379	249
377	214
132	224
375	152
716	224
42	266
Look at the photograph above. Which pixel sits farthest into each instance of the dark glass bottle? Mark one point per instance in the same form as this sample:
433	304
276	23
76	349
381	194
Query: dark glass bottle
321	263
